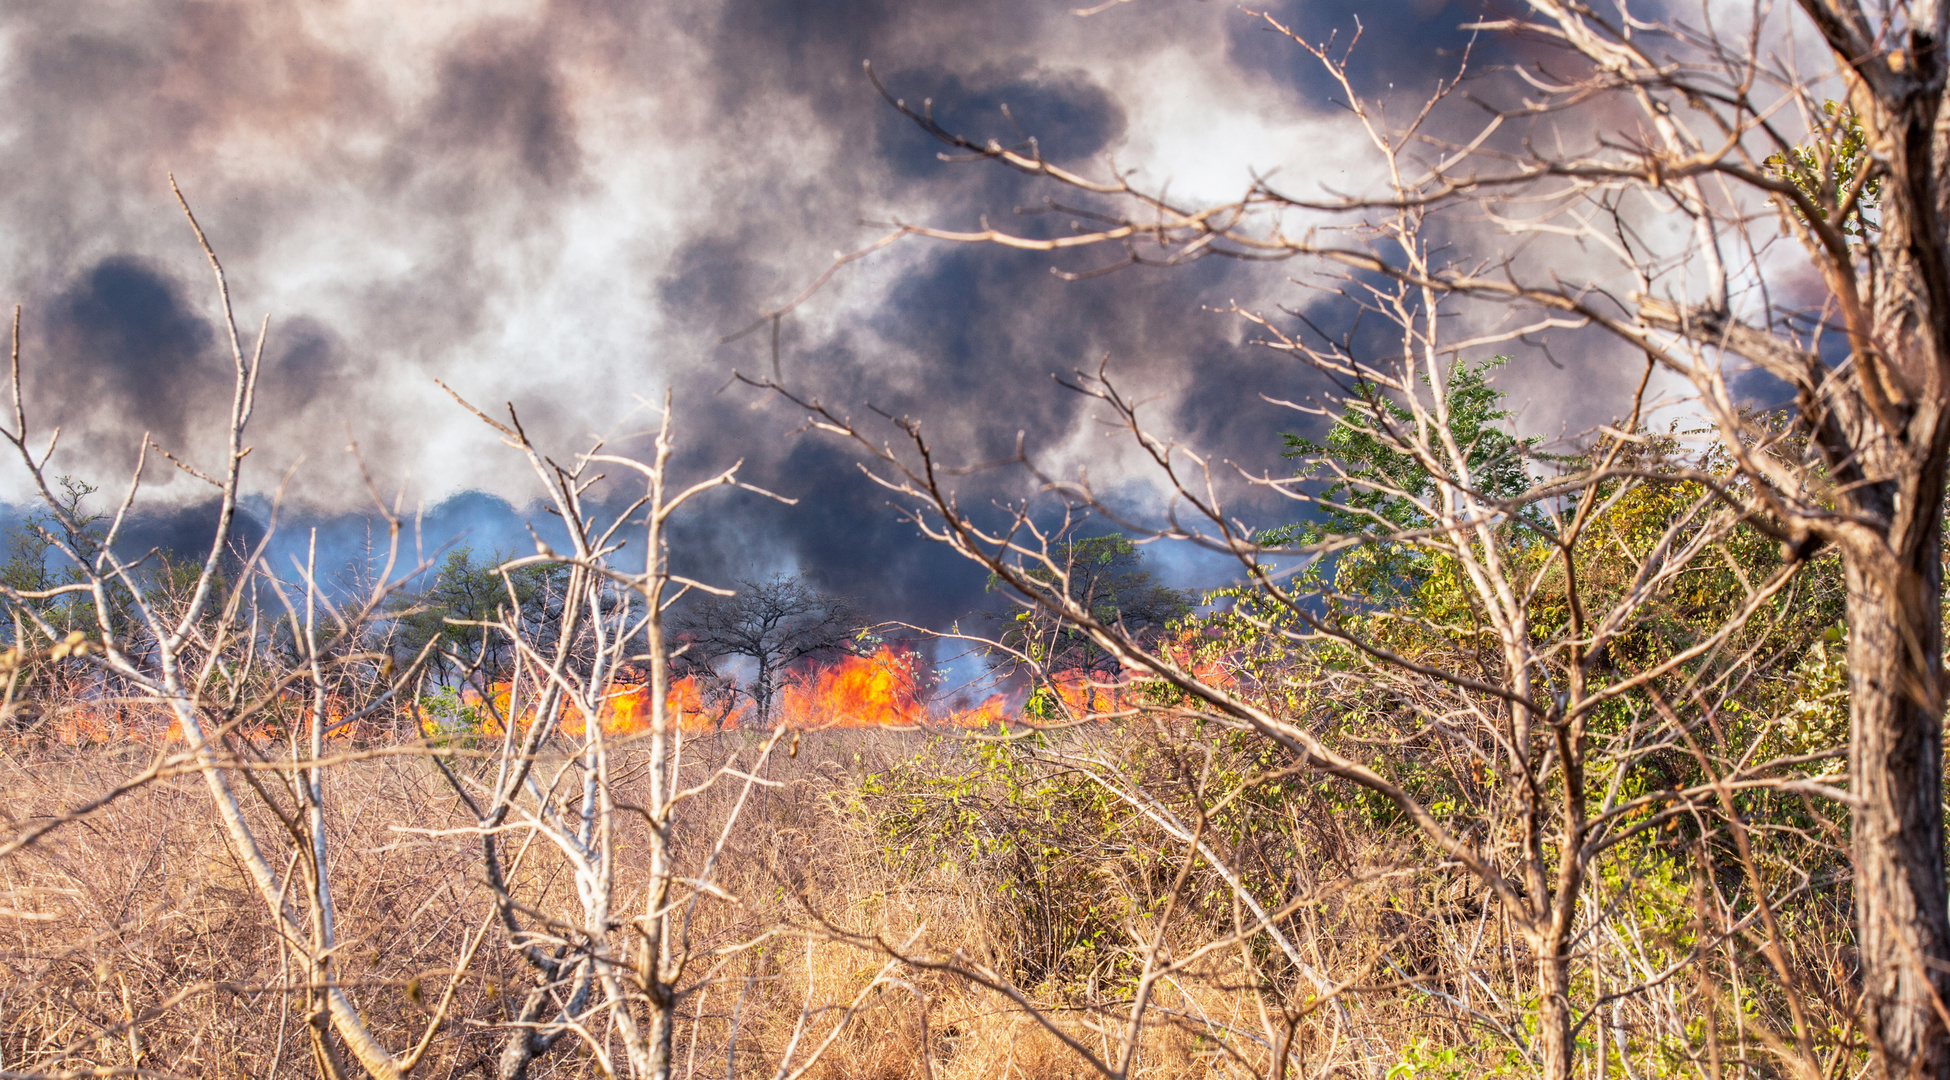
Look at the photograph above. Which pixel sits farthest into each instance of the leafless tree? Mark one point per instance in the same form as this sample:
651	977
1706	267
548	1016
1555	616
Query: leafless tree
611	617
774	623
207	667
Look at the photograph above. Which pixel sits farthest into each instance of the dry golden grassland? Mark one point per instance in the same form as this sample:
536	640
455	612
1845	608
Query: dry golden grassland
132	938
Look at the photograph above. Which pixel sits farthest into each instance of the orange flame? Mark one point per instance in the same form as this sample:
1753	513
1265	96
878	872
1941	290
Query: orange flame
881	690
623	710
856	691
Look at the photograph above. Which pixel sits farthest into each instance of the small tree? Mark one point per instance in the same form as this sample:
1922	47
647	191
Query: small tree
455	614
1366	507
608	617
26	574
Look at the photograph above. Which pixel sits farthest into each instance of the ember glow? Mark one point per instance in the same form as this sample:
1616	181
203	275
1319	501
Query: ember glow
624	709
91	723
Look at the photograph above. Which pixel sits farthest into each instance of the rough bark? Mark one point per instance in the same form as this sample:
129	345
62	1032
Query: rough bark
525	1045
1889	407
1555	1045
663	1030
1895	769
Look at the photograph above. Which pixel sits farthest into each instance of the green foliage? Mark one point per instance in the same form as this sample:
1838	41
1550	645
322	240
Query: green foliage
1777	687
1041	842
467	591
1358	442
29	547
1425	1059
1372	488
448	718
1105	575
1827	167
35	562
1074	864
1817	715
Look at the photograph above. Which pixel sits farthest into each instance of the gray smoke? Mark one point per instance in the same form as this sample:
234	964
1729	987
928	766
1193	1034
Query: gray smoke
566	204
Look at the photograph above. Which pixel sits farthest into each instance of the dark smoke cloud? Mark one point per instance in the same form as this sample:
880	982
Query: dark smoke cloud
182	534
124	340
1071	118
566	204
499	98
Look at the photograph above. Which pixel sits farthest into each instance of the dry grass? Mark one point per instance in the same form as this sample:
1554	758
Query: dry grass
131	938
141	911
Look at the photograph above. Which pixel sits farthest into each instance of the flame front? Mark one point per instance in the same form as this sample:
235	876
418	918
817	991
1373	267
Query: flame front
857	691
624	709
884	689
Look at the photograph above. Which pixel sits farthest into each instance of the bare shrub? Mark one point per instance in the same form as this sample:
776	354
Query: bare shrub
399	891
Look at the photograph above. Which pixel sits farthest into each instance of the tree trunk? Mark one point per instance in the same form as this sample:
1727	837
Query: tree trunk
1554	1044
663	1030
1896	771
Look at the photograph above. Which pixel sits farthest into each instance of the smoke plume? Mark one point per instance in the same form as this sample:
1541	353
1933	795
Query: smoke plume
565	204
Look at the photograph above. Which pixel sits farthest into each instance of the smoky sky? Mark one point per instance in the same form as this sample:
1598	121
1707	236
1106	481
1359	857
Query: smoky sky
564	206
